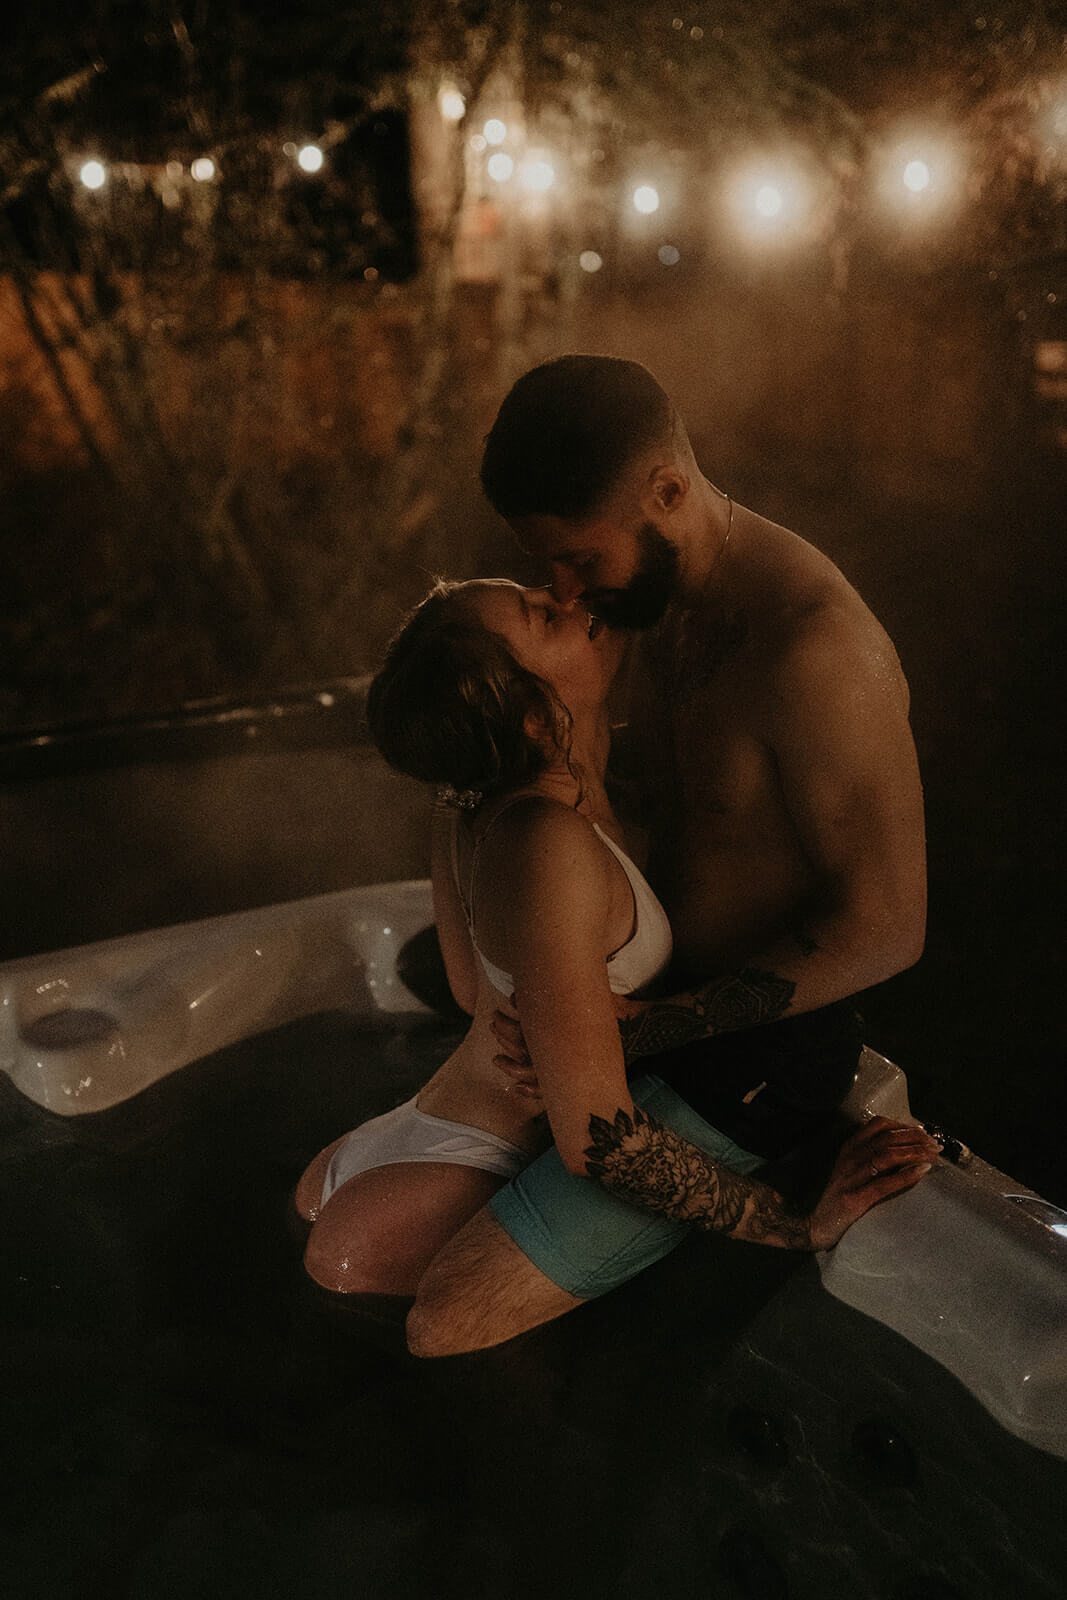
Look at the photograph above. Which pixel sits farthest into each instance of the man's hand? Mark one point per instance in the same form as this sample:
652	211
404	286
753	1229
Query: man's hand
881	1159
513	1058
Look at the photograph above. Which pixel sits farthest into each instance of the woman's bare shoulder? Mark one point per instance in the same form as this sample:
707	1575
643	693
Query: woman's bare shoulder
540	838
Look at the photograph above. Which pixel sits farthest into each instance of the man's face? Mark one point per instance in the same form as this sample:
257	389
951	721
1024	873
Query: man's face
626	577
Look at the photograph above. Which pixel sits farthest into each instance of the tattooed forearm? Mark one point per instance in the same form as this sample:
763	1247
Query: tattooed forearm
721	1006
641	1161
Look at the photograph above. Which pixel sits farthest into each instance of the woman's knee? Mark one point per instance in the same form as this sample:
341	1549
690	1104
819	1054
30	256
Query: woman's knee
335	1260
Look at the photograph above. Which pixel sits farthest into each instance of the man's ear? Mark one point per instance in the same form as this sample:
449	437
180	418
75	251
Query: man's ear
668	487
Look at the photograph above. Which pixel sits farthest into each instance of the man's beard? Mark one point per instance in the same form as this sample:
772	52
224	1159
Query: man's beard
642	602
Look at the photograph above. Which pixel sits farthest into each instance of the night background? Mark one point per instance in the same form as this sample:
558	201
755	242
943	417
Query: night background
264	280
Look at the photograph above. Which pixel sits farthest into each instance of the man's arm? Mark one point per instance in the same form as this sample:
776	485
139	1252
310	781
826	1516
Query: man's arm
647	1164
836	722
482	1289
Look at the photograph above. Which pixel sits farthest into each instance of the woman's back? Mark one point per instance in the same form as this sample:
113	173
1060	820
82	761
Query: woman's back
477	868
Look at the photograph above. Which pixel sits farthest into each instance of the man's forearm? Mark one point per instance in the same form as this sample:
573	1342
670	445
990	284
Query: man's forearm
645	1163
722	1005
825	960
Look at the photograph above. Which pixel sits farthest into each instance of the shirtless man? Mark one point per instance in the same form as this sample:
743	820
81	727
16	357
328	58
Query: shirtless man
768	723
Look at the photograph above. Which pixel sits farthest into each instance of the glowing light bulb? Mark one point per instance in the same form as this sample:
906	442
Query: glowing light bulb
538	175
589	261
771	201
916	176
310	158
452	104
203	169
768	200
93	174
646	199
495	131
500	167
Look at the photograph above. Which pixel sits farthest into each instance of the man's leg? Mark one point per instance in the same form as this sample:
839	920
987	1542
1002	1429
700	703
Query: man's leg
547	1242
480	1290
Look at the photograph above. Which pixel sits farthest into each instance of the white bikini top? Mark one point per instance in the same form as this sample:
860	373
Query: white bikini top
644	956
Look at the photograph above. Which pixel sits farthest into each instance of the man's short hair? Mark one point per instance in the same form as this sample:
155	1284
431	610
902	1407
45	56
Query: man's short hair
567	430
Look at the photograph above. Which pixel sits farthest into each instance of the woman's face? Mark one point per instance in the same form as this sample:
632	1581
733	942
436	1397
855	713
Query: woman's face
570	650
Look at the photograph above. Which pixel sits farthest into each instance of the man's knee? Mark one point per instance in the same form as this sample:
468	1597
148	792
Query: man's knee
431	1331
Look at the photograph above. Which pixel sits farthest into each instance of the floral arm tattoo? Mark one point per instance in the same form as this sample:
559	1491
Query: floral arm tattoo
721	1006
643	1162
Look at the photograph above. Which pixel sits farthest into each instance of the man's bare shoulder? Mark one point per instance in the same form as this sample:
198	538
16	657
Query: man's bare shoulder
801	607
832	645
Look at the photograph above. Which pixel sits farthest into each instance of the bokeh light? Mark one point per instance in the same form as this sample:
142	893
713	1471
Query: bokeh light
669	255
495	131
770	202
500	166
646	199
451	102
918	177
537	174
589	261
310	158
203	169
93	174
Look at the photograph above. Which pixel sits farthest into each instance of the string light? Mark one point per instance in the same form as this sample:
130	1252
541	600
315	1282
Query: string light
917	176
769	203
537	174
768	200
203	169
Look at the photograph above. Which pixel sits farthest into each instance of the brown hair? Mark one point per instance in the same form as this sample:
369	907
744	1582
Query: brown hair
450	703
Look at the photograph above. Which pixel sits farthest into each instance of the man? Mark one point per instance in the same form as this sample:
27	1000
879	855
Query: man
768	719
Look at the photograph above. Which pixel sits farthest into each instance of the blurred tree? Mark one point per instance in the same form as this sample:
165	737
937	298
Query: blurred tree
270	372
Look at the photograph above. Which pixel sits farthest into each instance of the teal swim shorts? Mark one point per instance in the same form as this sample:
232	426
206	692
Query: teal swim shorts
586	1239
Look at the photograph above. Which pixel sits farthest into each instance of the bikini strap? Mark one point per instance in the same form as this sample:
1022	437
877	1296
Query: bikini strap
468	903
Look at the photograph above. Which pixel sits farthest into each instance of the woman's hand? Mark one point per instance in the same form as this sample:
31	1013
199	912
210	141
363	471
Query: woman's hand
880	1159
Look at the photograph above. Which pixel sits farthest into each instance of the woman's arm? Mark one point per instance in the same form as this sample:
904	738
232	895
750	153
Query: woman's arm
548	885
452	931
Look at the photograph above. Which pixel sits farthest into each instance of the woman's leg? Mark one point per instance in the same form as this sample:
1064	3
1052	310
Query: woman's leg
380	1230
308	1196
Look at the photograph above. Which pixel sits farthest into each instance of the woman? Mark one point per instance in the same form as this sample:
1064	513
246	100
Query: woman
500	694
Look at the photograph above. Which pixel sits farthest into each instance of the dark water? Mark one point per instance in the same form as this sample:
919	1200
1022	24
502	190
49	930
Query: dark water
184	1415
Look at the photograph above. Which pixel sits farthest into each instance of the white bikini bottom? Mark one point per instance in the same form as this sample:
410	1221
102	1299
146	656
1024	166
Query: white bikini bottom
408	1134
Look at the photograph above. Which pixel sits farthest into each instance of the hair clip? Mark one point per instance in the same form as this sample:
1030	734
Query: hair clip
460	799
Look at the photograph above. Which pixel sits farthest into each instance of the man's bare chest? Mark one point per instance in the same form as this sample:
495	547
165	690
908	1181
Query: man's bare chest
699	745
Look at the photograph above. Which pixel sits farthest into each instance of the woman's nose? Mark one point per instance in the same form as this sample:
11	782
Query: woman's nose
566	586
544	600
